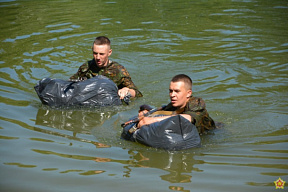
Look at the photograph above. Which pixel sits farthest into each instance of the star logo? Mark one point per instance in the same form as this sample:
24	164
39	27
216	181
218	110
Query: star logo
279	183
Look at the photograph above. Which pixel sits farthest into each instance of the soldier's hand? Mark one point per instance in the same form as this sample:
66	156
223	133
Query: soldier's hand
123	92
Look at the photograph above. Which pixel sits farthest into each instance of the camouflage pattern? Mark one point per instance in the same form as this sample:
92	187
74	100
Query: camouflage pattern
196	108
114	71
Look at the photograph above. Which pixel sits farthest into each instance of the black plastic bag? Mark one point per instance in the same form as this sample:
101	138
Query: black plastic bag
96	91
174	133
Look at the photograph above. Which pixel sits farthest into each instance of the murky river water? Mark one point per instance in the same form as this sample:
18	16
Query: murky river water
234	50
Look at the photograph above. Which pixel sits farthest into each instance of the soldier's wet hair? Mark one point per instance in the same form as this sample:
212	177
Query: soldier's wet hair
184	78
102	40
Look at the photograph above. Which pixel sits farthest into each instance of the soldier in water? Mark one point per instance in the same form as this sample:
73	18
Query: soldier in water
101	65
184	103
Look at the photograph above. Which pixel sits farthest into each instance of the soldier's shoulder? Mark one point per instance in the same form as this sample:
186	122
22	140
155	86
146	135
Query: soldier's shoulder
84	67
196	102
116	64
195	99
120	68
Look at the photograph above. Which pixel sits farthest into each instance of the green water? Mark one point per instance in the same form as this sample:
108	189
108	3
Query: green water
235	51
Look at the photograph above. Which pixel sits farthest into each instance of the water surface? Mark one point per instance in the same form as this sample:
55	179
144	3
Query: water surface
235	51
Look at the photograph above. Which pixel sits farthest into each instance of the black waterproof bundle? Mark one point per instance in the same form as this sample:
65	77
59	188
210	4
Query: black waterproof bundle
174	133
96	91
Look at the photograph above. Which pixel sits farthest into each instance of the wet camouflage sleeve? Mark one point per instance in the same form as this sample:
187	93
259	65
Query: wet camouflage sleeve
114	71
196	108
121	77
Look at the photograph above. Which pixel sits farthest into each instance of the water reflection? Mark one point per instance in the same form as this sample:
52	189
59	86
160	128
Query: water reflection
21	165
77	121
179	166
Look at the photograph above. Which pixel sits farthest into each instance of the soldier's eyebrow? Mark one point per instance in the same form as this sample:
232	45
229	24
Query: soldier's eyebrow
176	90
94	52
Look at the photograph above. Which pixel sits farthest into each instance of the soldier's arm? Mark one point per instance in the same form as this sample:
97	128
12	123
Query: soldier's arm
150	120
128	83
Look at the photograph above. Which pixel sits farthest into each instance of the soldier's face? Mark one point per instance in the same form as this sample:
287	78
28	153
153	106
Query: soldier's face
101	54
179	94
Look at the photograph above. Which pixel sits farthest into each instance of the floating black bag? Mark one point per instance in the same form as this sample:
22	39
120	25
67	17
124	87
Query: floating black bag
96	91
173	133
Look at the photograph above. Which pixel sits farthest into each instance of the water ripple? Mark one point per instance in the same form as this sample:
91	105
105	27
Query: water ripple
22	37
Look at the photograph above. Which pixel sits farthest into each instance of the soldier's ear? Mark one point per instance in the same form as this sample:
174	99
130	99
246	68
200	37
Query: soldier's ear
189	93
110	52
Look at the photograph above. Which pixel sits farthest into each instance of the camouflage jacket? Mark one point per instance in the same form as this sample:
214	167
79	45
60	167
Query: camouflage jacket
114	71
196	108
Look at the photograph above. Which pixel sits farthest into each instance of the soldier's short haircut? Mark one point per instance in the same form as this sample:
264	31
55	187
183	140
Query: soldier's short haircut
102	40
184	78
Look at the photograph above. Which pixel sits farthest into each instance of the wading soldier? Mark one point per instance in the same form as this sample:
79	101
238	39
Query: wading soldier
183	102
101	65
